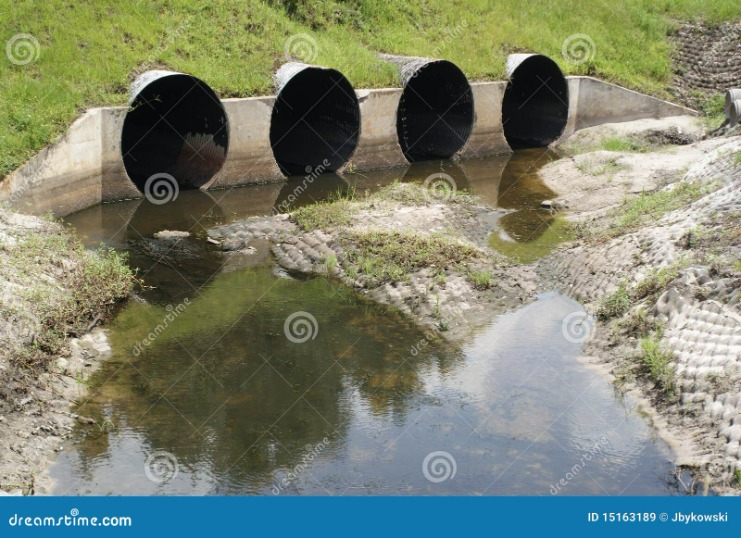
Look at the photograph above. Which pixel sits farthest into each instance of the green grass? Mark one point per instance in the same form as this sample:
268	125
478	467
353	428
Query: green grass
656	361
623	143
651	206
614	304
390	256
90	50
482	280
656	280
325	215
93	281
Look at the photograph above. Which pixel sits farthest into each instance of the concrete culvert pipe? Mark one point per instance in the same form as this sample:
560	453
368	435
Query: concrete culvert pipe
315	121
536	101
435	115
732	94
176	127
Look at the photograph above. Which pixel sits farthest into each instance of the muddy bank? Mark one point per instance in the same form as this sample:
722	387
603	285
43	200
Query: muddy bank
658	266
52	294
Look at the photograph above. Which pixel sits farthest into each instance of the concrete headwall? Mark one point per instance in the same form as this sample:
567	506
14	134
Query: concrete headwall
600	102
487	136
250	157
85	166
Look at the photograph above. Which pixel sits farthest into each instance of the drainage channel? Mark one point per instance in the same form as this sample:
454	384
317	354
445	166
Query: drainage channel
235	407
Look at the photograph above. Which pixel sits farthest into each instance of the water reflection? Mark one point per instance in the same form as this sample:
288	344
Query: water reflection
240	406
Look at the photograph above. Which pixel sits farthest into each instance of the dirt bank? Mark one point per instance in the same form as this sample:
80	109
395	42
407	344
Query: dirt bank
659	266
52	293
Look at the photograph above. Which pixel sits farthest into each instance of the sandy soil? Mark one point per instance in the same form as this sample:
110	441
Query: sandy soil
698	308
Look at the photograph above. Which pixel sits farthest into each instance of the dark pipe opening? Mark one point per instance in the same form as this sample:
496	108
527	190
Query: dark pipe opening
435	115
536	103
315	121
176	125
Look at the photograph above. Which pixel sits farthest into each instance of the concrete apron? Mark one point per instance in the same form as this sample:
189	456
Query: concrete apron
85	166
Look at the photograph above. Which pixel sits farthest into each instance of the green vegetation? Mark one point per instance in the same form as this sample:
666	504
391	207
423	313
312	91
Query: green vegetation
656	281
624	143
390	256
713	114
614	304
656	362
92	283
324	215
638	324
88	52
651	206
594	167
482	280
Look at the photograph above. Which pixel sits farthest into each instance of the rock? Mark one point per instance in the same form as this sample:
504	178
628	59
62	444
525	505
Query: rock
554	205
171	235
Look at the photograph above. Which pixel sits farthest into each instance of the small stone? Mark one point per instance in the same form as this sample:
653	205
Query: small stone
171	234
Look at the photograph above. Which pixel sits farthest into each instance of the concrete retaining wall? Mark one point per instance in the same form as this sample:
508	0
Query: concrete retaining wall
600	102
84	167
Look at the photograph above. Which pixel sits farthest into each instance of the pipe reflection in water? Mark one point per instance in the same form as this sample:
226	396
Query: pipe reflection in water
306	190
507	181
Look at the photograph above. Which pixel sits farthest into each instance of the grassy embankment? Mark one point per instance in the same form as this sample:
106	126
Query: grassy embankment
88	50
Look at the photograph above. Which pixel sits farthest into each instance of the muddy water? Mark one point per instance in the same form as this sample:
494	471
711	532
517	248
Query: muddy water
211	391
